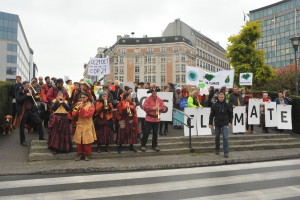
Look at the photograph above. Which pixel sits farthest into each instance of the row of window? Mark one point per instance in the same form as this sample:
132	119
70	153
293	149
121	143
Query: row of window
152	59
11	59
207	66
150	50
12	47
11	70
278	30
278	19
282	52
274	9
279	41
281	63
212	59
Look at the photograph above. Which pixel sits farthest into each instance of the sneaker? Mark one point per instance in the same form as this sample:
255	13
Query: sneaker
156	149
143	148
226	155
86	158
252	132
79	157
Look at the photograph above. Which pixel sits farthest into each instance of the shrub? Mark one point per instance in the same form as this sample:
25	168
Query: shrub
5	100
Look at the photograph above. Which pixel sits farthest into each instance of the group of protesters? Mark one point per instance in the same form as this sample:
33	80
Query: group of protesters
88	119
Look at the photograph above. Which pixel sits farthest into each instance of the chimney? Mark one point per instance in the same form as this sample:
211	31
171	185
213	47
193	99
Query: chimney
118	37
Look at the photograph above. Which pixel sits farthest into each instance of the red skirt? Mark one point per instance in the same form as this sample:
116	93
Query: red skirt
105	135
59	138
128	135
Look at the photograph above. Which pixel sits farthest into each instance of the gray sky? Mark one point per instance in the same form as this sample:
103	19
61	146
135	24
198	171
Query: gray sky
64	34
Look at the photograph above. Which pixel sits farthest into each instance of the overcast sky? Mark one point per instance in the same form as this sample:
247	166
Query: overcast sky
64	34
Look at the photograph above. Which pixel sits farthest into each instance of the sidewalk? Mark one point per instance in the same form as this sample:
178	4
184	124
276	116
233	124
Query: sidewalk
15	159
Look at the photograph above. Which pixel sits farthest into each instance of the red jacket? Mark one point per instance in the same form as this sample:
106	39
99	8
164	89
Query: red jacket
148	105
52	94
44	92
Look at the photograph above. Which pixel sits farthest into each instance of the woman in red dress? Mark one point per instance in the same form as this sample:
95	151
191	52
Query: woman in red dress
104	122
128	123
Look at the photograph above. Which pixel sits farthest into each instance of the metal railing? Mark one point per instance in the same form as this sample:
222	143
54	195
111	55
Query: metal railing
188	124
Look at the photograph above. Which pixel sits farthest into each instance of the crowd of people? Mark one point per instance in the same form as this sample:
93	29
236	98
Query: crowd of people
82	118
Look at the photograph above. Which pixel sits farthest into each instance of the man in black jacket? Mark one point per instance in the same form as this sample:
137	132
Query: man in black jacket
13	92
26	110
222	114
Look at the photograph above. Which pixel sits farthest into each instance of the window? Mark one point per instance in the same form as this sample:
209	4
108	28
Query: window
116	78
123	51
137	78
116	59
177	78
153	58
163	68
150	40
11	70
149	68
162	79
116	69
149	59
153	68
163	49
162	59
183	68
149	78
145	59
177	58
121	59
136	69
121	70
182	57
11	59
121	78
183	78
145	79
154	79
150	50
177	68
137	59
176	49
145	69
12	47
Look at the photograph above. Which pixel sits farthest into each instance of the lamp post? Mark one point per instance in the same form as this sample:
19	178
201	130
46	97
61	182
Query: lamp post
295	41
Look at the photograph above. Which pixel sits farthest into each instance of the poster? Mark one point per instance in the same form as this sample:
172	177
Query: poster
194	75
99	66
270	114
190	111
254	111
239	119
284	117
246	78
202	119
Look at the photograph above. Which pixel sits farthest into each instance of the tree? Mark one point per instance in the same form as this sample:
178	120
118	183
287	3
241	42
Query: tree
244	57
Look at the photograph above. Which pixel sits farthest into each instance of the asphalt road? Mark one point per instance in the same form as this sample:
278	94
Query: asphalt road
265	180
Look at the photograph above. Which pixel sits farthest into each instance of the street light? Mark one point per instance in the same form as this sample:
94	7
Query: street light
295	41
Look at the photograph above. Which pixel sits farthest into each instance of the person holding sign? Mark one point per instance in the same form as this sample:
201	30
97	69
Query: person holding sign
128	123
193	100
153	106
221	113
265	99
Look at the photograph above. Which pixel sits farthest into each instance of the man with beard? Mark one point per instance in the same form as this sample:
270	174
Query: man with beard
58	87
236	99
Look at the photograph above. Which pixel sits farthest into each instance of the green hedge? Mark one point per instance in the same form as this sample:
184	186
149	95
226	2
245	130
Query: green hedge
5	100
295	108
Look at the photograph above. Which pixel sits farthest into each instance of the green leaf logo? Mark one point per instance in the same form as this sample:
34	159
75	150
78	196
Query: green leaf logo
209	77
246	76
227	80
201	85
192	75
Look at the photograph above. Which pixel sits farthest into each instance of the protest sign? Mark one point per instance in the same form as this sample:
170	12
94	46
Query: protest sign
284	117
246	78
239	119
254	111
190	111
99	66
270	114
97	91
203	121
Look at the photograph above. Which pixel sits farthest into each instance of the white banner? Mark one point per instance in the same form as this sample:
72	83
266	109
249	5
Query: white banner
239	119
167	97
270	114
194	75
99	66
254	111
246	78
203	121
284	117
190	111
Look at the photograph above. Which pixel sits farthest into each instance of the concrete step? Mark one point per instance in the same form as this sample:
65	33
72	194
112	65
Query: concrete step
72	155
166	139
42	147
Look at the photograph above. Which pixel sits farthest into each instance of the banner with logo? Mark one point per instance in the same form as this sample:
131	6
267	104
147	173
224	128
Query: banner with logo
99	66
246	78
194	75
167	98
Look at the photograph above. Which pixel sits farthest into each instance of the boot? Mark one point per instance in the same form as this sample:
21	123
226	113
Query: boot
160	131
132	148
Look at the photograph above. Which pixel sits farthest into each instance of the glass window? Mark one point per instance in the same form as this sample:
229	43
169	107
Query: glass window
162	59
137	78
150	50
162	68
137	59
154	79
149	58
123	51
177	68
121	59
149	78
11	70
145	69
145	79
176	49
11	59
177	58
183	78
162	79
183	68
116	69
136	69
163	49
149	68
121	78
177	78
12	47
183	58
121	70
153	68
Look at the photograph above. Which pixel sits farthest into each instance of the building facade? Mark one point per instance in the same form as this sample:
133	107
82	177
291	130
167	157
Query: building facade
280	22
16	56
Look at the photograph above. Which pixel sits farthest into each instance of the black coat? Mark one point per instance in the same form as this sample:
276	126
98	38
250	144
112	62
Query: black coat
20	98
222	113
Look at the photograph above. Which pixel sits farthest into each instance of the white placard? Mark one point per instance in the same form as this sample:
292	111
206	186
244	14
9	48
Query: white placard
254	111
99	66
167	98
239	119
270	114
194	75
190	111
202	120
284	116
246	78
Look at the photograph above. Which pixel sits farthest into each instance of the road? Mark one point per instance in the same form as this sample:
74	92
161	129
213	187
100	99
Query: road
264	180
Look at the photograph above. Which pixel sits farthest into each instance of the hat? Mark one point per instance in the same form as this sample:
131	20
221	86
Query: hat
104	93
84	83
178	88
155	88
25	82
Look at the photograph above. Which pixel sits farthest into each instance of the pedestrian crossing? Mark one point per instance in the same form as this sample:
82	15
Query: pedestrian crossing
265	180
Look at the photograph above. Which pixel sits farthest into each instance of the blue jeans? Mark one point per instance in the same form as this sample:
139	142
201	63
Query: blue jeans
218	130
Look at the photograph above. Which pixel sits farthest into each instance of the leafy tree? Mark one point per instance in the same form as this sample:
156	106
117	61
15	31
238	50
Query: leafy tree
244	57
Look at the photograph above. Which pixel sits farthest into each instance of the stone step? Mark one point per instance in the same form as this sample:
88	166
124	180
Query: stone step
166	139
42	148
72	155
